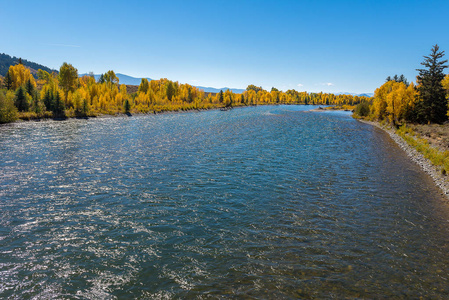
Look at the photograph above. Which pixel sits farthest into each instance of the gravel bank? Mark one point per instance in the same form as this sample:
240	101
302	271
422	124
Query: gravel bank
434	172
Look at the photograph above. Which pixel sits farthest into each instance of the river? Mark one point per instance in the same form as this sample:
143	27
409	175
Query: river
259	202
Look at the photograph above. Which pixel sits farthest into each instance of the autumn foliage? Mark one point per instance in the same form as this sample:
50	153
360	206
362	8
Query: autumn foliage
67	95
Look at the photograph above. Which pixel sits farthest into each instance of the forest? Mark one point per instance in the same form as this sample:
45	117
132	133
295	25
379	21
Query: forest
65	94
398	102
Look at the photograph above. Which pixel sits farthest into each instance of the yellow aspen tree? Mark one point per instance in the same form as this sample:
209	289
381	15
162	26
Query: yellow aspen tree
20	75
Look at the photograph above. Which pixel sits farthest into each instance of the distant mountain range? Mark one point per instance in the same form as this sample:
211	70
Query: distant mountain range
354	94
6	61
129	80
214	90
123	79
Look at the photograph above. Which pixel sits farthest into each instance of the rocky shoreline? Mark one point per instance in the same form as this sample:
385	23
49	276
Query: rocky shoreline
434	172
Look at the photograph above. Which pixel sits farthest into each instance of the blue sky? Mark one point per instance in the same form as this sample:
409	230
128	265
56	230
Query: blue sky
329	46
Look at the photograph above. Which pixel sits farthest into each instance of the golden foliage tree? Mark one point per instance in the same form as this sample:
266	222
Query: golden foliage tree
19	75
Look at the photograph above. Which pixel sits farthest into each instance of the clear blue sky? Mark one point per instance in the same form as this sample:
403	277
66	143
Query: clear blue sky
329	46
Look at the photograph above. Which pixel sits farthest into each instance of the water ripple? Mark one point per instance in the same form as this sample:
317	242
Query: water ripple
256	202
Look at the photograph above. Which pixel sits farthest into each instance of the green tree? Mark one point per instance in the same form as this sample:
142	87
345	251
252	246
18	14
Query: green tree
220	97
101	79
432	106
36	102
58	107
48	100
127	106
29	87
170	90
7	81
68	78
8	111
397	78
21	101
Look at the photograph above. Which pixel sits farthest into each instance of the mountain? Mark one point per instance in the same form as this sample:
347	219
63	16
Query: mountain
6	61
123	79
129	80
215	90
366	95
354	94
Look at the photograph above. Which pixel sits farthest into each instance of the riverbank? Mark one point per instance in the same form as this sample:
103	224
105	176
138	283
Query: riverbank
426	165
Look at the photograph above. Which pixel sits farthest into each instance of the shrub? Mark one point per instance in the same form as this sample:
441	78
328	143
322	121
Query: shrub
8	111
362	109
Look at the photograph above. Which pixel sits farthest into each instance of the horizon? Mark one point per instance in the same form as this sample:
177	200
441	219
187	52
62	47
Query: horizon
344	47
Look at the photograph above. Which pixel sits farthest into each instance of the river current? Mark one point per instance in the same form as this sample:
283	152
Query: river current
259	202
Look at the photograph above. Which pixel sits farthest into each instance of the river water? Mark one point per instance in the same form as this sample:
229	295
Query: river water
259	202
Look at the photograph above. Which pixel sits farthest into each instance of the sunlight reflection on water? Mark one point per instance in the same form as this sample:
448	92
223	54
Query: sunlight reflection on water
259	202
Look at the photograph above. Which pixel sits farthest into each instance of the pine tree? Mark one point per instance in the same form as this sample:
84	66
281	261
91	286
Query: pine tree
48	100
127	106
7	81
403	79
29	87
170	90
58	108
21	101
220	96
37	104
432	107
101	79
85	107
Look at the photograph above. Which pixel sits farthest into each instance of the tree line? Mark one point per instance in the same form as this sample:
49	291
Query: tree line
398	101
65	94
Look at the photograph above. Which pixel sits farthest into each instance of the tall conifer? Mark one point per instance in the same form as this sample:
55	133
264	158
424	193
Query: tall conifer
432	107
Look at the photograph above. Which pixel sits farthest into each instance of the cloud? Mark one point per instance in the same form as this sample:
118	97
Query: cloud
328	84
300	84
64	45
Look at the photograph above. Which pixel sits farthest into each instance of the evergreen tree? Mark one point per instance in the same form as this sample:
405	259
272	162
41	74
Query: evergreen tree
29	87
242	99
58	108
403	79
397	78
21	101
170	90
37	104
85	107
432	106
220	96
101	79
7	81
48	100
127	106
